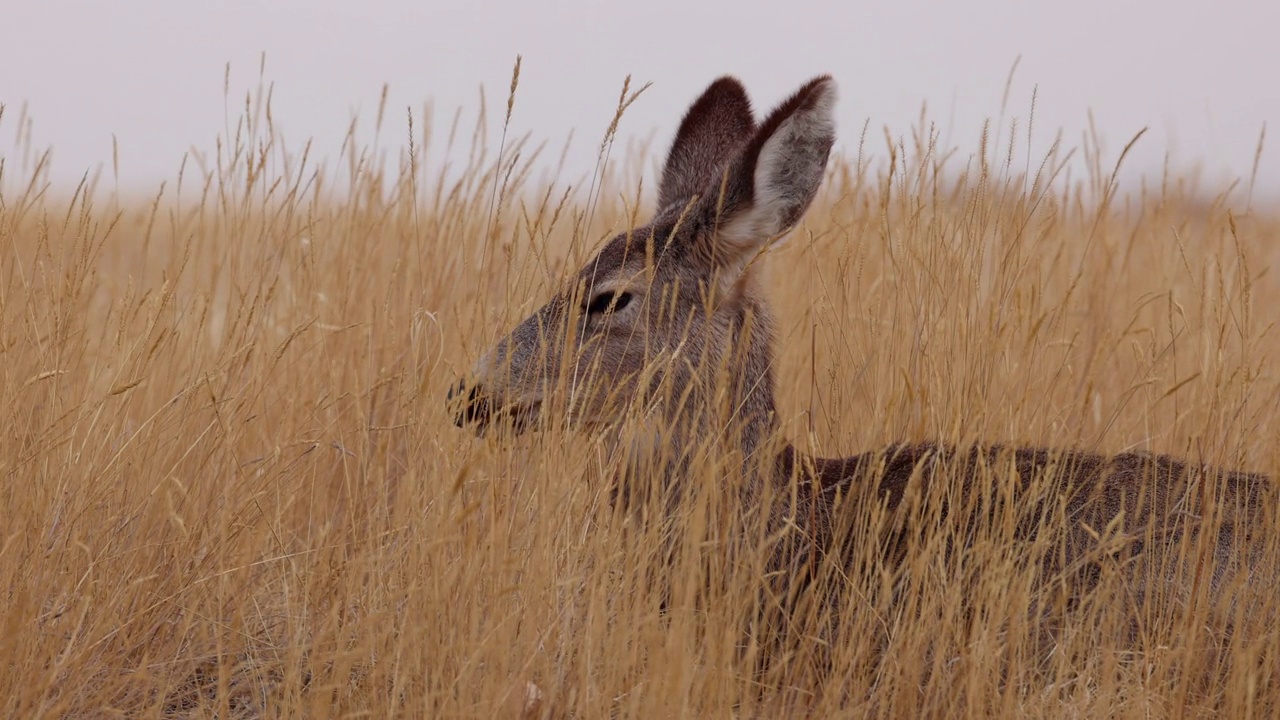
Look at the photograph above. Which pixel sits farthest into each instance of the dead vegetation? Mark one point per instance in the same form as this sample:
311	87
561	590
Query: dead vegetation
231	486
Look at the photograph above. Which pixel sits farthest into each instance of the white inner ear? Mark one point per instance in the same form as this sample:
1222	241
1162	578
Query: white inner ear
788	172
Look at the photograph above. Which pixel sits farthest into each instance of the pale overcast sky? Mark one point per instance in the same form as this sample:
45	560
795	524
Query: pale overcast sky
1202	75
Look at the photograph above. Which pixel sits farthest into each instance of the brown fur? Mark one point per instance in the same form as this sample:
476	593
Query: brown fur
1155	497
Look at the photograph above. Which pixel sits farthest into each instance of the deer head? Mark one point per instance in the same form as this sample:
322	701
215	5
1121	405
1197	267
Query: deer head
649	323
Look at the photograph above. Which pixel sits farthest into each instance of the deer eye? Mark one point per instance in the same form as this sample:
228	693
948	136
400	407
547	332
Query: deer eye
608	300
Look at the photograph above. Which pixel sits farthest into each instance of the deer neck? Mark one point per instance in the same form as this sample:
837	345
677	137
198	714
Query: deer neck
729	411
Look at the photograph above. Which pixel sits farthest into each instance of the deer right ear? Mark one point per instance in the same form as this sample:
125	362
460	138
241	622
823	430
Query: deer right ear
717	124
773	180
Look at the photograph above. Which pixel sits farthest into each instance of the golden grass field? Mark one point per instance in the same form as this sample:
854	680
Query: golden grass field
231	487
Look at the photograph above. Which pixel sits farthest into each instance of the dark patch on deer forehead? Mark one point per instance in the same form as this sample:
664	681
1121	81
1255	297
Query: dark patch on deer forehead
612	256
630	250
674	241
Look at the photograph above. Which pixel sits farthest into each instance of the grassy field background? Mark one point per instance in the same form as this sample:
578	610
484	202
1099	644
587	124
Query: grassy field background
231	487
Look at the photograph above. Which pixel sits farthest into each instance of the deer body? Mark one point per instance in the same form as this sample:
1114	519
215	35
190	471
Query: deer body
667	328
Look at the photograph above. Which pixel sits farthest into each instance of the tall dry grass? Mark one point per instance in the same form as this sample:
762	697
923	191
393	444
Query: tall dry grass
231	487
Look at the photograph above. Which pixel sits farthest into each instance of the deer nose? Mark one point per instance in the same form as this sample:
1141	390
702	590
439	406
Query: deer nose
469	404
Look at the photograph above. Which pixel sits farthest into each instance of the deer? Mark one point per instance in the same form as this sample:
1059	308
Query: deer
666	331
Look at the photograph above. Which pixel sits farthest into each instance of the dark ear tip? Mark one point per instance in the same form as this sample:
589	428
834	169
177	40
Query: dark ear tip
819	92
816	88
726	84
726	93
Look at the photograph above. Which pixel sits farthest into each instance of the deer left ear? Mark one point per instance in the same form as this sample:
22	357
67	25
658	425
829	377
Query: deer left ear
716	125
772	182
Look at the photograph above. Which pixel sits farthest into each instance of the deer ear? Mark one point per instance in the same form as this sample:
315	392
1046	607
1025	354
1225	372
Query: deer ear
716	125
771	183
